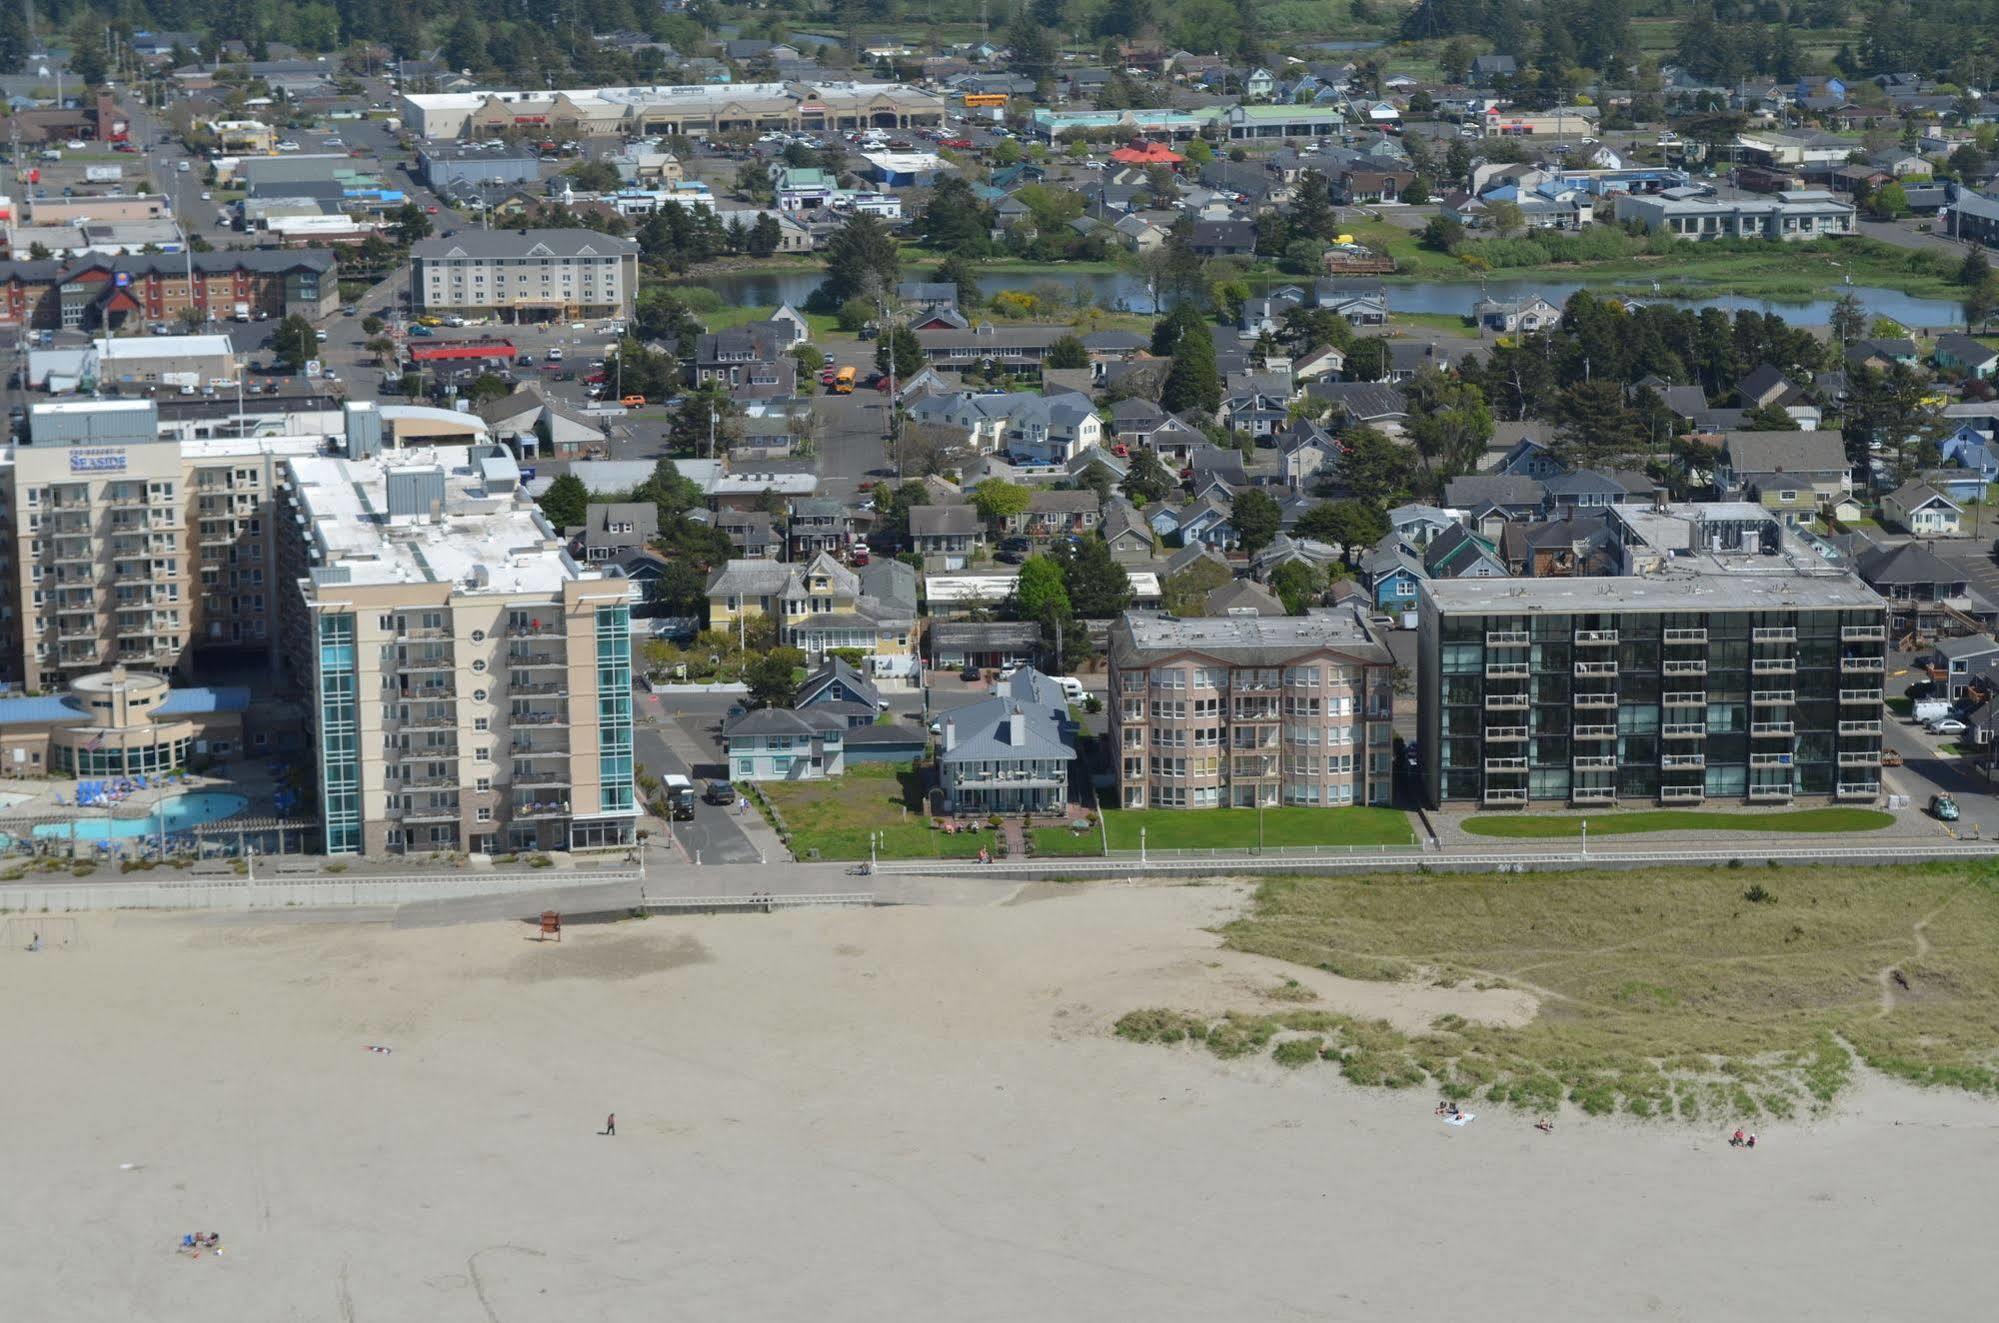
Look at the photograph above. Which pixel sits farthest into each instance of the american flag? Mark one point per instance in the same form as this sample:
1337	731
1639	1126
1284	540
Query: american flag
95	741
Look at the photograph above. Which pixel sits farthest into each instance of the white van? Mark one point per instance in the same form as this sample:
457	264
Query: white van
1072	688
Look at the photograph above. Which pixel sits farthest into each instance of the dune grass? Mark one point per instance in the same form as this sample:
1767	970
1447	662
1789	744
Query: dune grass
1538	826
1695	993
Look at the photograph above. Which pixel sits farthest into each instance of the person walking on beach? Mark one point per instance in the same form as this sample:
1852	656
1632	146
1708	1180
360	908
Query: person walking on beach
610	1124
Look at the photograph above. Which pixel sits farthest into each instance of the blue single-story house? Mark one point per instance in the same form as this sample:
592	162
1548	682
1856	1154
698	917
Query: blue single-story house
893	743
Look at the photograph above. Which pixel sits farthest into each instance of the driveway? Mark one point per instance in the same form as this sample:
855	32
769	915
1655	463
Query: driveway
664	744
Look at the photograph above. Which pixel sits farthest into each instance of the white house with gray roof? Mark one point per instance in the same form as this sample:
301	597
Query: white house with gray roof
1009	753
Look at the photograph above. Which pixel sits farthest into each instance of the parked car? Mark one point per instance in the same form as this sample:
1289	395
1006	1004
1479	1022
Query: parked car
1890	758
720	792
1943	808
970	675
1947	726
1013	550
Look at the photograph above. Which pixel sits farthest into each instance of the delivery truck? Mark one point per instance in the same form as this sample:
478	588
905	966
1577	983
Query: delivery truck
103	174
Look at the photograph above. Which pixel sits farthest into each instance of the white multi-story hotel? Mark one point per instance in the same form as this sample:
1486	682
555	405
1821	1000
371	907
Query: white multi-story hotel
526	274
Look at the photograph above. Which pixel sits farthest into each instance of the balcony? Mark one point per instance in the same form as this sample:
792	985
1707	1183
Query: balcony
428	693
1770	759
423	635
1684	698
1595	732
1506	764
533	687
1773	698
1595	702
1765	793
1593	794
1685	636
414	664
1683	760
1682	794
1857	790
1594	762
425	813
426	783
1690	666
539	809
1859	696
1596	668
1597	637
1513	670
1505	795
1773	634
535	658
429	721
537	751
1876	664
547	629
541	778
1773	666
1863	634
1683	730
1507	638
539	719
1504	734
1860	728
1866	758
1772	730
1506	702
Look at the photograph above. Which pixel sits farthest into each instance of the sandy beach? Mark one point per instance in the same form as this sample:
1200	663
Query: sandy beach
892	1114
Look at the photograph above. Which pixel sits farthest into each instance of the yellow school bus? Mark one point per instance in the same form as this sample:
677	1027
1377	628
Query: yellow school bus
843	380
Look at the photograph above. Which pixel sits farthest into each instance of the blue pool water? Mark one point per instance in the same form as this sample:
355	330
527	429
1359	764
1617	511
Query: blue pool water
181	813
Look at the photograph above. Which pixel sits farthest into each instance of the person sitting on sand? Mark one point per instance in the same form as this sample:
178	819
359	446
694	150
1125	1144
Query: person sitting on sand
1545	1126
1735	1140
1752	1141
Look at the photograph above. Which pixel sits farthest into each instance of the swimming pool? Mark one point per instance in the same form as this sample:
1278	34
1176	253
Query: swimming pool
181	813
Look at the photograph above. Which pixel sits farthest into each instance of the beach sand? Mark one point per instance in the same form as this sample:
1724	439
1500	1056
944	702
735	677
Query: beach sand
891	1114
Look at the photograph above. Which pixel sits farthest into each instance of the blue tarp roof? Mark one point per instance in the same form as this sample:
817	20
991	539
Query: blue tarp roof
178	703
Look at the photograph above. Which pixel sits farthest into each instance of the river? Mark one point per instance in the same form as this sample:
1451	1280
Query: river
1124	292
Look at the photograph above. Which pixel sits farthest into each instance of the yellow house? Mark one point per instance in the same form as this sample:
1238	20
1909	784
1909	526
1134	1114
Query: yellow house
818	604
244	137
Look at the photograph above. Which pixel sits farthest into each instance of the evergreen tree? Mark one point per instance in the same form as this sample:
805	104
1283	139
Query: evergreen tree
566	502
862	261
1192	382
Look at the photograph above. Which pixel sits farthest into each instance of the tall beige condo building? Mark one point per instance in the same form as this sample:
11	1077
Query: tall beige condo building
471	682
1251	711
131	550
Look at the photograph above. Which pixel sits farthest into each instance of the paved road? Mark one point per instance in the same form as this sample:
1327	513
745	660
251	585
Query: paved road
851	450
713	836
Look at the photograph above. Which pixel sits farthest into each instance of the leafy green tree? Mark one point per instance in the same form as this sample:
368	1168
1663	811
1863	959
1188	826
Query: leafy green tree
1068	352
893	506
958	271
1041	593
594	176
1849	319
566	502
862	260
1186	593
705	423
1768	418
1256	517
1351	525
954	220
487	387
765	236
294	342
1443	234
1297	584
1368	358
902	344
772	678
1890	202
1147	480
1181	319
408	223
1375	467
997	499
1097	586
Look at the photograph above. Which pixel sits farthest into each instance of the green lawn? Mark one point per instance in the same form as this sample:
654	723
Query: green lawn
1539	826
1236	829
836	817
1053	841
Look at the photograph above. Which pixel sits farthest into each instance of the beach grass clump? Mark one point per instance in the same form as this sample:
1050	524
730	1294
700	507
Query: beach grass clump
1663	993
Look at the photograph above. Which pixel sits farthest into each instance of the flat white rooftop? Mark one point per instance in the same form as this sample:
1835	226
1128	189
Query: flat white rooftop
480	541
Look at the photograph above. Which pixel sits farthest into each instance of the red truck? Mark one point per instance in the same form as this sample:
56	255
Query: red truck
962	144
